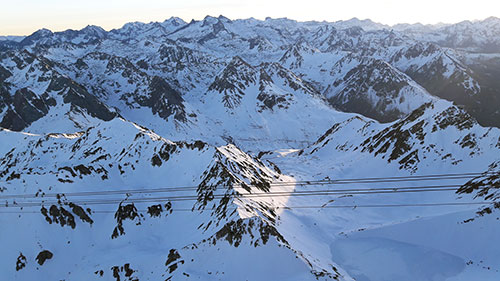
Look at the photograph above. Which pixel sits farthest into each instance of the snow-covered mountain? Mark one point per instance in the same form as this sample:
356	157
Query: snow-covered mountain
213	149
477	36
97	162
33	91
203	47
11	38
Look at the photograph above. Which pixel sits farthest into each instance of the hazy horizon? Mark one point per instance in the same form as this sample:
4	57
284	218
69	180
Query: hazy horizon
27	16
200	19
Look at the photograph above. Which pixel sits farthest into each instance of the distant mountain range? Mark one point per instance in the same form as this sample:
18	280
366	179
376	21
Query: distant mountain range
177	151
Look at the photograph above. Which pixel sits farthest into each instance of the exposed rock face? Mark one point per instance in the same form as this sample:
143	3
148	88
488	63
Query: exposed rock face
374	89
27	108
21	262
45	89
165	101
232	82
43	256
485	187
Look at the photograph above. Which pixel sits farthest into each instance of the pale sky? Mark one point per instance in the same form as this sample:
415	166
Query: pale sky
23	17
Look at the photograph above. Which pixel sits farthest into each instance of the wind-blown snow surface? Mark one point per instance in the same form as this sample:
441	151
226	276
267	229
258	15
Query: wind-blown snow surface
179	151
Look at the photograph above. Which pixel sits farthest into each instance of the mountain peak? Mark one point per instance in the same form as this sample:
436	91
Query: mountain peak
491	20
93	27
238	61
238	69
176	21
131	26
365	24
43	32
94	30
233	80
37	35
223	18
210	20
